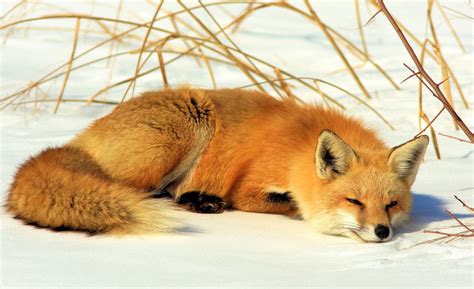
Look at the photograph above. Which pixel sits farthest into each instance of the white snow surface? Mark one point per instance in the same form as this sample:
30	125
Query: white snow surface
238	249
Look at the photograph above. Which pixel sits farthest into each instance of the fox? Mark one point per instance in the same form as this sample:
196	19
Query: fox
210	150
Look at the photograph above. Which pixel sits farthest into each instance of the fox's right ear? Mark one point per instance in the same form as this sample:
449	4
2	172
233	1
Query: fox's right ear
333	156
405	159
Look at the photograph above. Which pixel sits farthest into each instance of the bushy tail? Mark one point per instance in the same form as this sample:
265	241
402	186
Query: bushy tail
63	188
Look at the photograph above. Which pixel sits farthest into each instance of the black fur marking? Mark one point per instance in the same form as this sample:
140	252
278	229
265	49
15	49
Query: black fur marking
164	129
72	202
330	160
201	203
163	194
411	161
416	154
60	228
279	198
194	110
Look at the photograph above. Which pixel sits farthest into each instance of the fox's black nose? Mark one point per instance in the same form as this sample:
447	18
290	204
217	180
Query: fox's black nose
382	231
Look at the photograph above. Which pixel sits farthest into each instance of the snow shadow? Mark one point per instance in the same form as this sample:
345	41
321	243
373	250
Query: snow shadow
427	209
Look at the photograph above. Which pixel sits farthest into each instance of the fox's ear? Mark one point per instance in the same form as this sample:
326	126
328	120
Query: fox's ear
405	159
333	155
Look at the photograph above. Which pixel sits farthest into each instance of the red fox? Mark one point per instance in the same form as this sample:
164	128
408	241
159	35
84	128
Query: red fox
215	149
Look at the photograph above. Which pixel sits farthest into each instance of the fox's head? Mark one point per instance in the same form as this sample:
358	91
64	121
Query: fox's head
364	193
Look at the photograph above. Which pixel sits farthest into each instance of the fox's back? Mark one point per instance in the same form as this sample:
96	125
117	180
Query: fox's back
252	114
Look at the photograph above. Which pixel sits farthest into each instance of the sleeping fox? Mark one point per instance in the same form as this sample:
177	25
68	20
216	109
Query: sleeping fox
210	150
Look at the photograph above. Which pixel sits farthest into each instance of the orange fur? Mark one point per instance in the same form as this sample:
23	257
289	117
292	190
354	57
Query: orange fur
239	145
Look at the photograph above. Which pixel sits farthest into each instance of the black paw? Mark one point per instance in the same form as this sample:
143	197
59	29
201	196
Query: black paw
202	203
161	195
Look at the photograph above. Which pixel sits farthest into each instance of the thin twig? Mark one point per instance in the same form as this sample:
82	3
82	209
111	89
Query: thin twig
449	234
410	76
434	139
464	204
338	50
450	237
457	220
321	92
456	138
284	85
208	66
162	66
238	63
71	59
360	28
459	13
437	50
438	93
145	39
236	46
372	17
451	28
430	123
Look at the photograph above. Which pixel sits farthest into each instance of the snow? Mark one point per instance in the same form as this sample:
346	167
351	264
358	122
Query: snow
237	249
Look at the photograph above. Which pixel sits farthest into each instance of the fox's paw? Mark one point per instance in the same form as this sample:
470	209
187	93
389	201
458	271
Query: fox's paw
201	203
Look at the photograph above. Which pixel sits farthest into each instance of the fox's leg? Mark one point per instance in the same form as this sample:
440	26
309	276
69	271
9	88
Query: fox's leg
201	202
264	201
152	141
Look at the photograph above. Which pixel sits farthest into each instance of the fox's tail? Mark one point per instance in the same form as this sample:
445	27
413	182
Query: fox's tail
64	188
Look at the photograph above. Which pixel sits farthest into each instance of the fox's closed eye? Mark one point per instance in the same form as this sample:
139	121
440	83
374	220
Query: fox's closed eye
354	201
392	204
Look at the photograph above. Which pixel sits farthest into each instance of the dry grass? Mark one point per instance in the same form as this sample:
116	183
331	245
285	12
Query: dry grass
200	42
446	234
211	47
445	97
336	39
